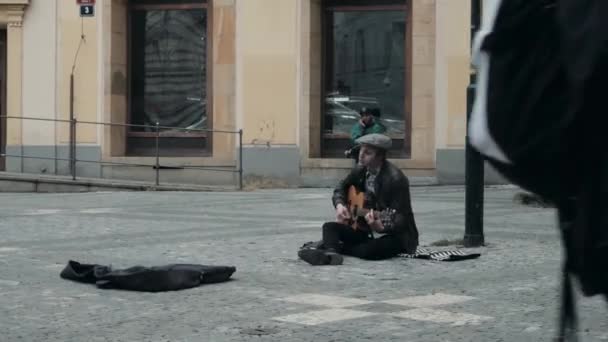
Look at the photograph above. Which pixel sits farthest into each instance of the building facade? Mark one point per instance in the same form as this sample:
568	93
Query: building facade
292	74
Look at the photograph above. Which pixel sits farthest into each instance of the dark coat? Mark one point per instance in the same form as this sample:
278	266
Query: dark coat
149	279
392	191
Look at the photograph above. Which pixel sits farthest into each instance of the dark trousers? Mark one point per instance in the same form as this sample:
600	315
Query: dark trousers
345	240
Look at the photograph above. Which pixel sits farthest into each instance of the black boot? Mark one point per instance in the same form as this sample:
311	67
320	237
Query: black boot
318	257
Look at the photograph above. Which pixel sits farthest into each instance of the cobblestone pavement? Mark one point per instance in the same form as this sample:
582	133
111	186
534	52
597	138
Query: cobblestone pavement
511	293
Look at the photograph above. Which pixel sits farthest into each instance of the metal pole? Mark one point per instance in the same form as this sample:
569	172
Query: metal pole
73	154
157	154
474	167
240	159
71	121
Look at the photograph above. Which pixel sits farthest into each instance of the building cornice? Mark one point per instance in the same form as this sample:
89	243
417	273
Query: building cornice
14	10
14	2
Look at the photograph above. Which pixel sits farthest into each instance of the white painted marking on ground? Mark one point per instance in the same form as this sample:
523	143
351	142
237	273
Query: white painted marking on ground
442	316
324	300
307	224
9	249
42	212
310	196
84	295
422	309
55	266
323	316
430	300
9	282
533	328
523	288
99	211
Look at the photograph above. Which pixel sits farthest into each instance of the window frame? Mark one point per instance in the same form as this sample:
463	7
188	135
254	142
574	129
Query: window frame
327	48
205	136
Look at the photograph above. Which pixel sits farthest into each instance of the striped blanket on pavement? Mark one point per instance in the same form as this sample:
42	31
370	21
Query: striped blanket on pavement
448	255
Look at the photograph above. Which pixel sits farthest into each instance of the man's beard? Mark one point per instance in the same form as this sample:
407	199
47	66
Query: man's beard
373	164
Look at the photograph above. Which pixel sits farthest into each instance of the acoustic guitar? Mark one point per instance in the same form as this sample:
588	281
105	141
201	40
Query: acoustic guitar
356	207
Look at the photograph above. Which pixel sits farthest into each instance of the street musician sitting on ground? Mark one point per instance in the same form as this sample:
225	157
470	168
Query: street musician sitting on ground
374	218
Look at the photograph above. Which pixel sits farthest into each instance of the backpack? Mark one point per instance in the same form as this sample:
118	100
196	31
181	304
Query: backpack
537	119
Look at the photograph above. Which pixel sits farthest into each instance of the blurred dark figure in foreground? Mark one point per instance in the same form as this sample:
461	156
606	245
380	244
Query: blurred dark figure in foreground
540	118
532	200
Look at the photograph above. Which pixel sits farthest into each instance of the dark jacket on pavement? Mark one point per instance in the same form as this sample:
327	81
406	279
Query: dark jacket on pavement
149	279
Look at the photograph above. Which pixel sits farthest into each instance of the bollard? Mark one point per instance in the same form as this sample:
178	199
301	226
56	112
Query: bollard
157	154
474	167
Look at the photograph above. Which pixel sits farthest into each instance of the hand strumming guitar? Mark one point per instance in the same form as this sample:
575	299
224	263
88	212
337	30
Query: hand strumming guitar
342	214
374	222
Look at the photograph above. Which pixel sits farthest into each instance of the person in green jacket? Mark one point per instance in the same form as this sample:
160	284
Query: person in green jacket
368	124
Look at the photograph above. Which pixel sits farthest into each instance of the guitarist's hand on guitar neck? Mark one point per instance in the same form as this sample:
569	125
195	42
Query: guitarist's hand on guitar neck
342	214
374	223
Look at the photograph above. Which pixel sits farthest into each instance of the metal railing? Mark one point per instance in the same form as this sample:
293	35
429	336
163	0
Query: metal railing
73	160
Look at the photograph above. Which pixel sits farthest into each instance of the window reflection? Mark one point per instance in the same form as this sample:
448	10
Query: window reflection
367	69
169	68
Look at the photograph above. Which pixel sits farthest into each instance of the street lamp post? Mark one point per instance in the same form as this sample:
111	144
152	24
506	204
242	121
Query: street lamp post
474	167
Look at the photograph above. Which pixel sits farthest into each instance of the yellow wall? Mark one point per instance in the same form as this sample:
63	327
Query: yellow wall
423	28
309	78
452	78
39	72
115	76
40	57
268	56
12	16
86	81
223	16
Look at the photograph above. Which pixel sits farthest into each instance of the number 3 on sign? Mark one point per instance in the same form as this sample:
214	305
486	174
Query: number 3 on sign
87	11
